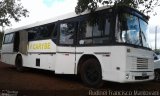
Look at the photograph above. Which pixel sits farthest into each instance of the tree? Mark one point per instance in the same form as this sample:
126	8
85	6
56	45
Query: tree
145	6
11	10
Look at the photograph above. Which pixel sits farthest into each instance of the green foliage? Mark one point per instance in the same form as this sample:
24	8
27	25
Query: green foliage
11	9
145	6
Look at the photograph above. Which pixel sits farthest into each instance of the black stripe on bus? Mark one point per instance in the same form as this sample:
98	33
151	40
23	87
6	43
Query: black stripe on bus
71	52
41	52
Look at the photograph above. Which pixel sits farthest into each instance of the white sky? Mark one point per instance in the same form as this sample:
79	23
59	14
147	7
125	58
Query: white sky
153	22
45	9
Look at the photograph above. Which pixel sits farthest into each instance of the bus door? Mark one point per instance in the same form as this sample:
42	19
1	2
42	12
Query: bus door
23	42
16	42
65	63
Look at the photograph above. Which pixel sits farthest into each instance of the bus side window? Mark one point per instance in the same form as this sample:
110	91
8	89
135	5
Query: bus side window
31	34
41	32
97	33
44	31
84	33
8	38
67	31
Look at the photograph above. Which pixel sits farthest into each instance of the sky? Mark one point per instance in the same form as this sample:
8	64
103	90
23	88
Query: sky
40	10
45	9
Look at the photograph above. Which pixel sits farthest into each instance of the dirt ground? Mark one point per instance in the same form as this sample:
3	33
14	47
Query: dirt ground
33	82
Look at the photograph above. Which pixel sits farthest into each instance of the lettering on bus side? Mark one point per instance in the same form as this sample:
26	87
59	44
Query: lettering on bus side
40	46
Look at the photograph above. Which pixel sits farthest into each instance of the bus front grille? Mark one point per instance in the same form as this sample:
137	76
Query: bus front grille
142	63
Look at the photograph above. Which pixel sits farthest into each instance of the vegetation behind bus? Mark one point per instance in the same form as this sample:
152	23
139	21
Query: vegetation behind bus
11	9
145	6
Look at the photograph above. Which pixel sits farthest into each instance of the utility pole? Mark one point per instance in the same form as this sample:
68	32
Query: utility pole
156	38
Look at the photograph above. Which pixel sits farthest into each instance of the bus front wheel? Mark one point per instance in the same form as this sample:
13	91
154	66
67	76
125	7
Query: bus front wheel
91	73
19	65
157	75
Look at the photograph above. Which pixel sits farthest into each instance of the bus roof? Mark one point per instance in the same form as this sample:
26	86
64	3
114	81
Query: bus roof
66	16
38	23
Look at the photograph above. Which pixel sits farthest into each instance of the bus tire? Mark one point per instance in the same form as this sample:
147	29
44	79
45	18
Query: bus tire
19	64
157	75
91	73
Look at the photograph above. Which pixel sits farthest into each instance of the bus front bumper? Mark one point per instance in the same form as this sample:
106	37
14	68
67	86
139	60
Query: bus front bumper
136	76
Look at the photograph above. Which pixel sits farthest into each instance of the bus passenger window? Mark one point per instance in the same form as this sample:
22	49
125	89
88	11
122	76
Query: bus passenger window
67	33
94	34
41	32
8	38
107	27
31	34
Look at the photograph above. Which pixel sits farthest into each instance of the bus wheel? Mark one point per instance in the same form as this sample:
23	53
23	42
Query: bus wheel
157	75
19	65
91	73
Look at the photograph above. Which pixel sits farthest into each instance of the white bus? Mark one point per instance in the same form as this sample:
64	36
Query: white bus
113	48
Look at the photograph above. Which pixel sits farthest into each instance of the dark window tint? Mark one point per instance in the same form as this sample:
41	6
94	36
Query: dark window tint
97	33
85	30
8	38
102	40
67	33
41	32
107	27
31	34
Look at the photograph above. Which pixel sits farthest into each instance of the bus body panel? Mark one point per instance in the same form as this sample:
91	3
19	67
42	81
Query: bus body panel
42	52
130	67
8	54
47	61
42	46
117	69
65	62
105	55
7	48
8	58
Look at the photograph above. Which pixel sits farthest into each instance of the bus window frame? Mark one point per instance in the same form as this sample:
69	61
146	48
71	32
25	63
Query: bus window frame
133	12
12	41
75	21
110	36
55	30
49	37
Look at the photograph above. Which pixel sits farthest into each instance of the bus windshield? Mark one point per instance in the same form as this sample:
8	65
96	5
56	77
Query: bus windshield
132	30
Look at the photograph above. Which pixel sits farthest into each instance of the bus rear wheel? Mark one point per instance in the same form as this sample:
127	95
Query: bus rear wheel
19	65
91	73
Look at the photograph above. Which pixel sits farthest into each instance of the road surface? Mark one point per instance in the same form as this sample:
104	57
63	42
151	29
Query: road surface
33	82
